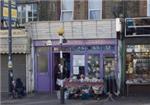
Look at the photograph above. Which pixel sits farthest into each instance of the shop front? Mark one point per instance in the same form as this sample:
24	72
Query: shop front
90	57
137	66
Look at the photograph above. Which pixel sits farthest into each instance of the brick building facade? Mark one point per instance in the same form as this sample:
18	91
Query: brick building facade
51	9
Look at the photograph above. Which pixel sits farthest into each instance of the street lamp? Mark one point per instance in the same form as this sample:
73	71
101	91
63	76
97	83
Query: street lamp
60	33
10	64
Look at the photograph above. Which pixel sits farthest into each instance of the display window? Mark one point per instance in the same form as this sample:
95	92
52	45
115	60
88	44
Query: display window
138	63
78	65
93	65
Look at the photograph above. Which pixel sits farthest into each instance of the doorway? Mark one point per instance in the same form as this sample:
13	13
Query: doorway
66	67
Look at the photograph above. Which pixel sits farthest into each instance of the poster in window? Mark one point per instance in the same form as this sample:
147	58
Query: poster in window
76	70
78	60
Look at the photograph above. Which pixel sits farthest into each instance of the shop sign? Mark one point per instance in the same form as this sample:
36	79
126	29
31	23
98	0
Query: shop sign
6	13
49	42
137	27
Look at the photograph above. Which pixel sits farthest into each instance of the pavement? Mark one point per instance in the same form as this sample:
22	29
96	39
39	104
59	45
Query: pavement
46	99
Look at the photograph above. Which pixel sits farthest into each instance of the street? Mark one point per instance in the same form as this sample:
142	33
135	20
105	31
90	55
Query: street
45	99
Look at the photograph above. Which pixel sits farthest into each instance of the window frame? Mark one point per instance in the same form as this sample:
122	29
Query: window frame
90	14
92	8
25	9
66	10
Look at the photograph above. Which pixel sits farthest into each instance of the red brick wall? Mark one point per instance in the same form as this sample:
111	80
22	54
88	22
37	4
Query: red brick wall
143	8
80	9
49	10
133	8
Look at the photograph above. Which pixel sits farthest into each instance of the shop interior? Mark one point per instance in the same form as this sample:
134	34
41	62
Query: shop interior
138	64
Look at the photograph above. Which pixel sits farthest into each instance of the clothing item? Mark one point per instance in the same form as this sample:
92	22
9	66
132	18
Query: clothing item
111	85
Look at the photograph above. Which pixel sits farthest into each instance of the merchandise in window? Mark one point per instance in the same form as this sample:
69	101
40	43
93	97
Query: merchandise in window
109	66
93	66
138	64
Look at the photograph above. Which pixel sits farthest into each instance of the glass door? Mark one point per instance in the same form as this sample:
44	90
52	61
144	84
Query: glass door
109	74
109	66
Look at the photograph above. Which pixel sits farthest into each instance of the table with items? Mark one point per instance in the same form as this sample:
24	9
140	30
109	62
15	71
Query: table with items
84	89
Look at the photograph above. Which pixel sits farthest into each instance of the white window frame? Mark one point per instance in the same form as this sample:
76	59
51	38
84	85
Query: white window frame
66	11
148	7
27	6
95	9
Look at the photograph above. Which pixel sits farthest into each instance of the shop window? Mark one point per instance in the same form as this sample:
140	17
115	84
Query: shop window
42	63
78	65
138	63
93	66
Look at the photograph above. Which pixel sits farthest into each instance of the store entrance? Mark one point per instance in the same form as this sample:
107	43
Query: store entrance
109	66
66	67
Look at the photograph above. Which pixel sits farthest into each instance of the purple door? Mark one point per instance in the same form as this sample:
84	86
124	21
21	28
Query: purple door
43	73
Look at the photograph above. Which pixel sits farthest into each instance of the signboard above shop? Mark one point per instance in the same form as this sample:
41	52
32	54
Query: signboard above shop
4	10
13	13
4	13
137	27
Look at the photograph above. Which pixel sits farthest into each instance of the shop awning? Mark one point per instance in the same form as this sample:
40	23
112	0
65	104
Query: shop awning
19	45
20	41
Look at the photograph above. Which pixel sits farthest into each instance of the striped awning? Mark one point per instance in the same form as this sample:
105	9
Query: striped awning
19	45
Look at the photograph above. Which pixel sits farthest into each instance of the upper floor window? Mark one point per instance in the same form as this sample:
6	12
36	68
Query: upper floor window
148	7
66	10
95	9
26	13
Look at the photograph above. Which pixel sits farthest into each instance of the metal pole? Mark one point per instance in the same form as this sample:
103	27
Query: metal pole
10	65
61	70
123	47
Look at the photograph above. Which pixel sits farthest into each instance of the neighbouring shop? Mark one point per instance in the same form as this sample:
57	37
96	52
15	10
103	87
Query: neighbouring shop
20	59
137	66
19	69
89	57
